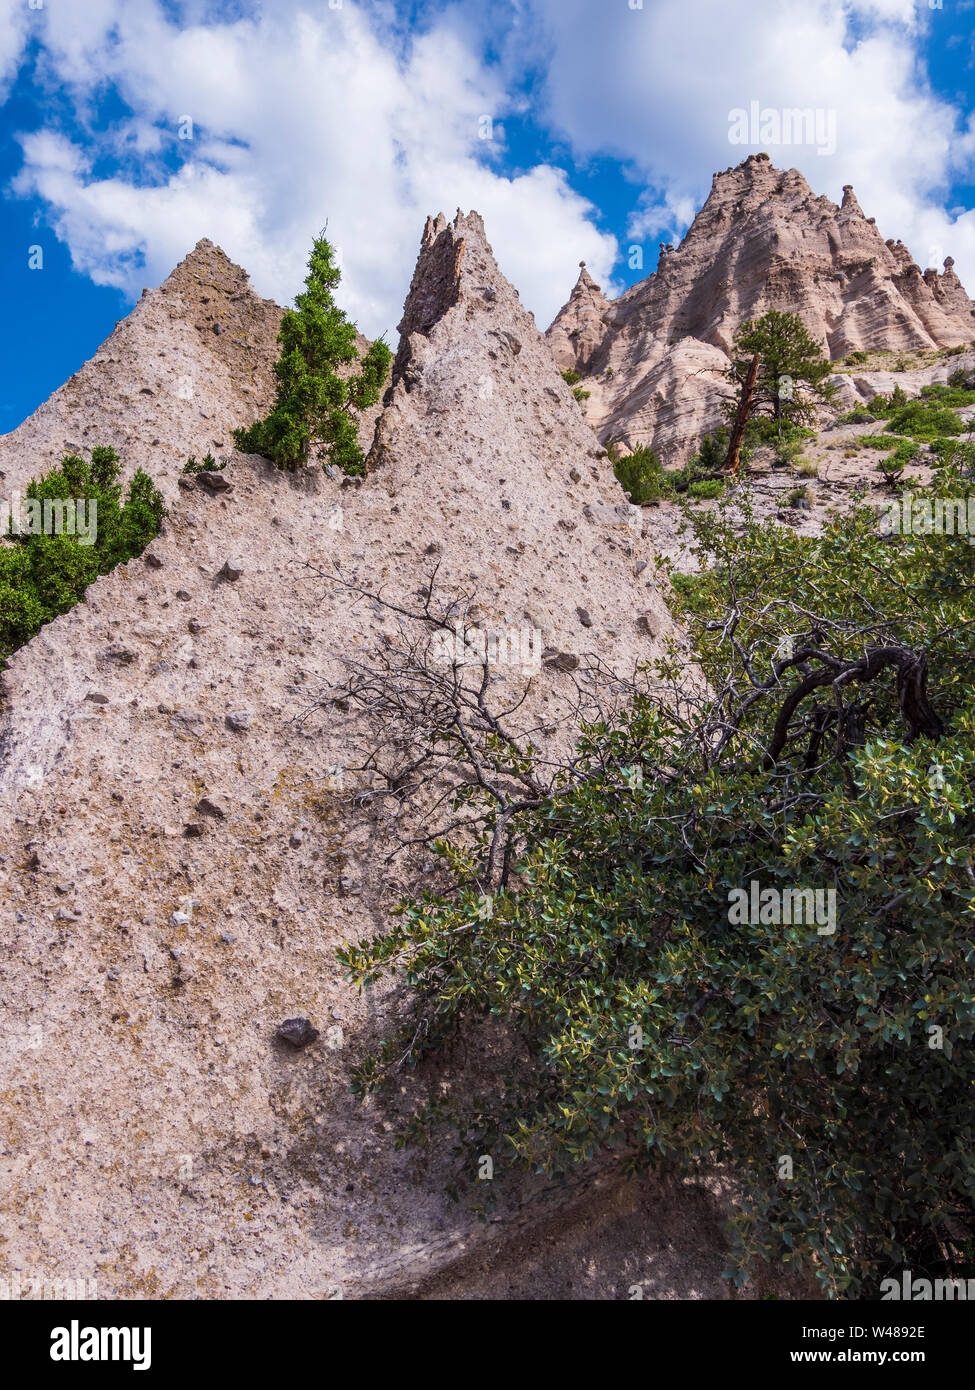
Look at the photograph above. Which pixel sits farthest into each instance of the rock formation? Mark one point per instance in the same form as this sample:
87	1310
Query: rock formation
763	240
179	855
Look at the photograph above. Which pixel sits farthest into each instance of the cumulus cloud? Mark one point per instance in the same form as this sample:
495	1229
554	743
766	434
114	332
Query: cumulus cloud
305	112
15	19
254	131
673	71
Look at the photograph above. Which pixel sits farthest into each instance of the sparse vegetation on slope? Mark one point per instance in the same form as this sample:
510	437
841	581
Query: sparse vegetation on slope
43	575
572	379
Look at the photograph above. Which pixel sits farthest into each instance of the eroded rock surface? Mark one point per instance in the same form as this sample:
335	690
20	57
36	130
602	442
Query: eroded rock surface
653	359
179	855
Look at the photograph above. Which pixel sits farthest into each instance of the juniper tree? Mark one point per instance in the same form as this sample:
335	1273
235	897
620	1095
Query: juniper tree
45	569
316	408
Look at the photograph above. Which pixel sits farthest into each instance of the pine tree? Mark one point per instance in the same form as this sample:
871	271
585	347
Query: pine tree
316	409
793	371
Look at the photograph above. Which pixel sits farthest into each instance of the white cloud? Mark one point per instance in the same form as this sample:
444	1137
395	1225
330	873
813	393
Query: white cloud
15	23
298	117
303	113
669	75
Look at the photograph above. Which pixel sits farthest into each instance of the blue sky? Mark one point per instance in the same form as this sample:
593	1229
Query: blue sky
578	128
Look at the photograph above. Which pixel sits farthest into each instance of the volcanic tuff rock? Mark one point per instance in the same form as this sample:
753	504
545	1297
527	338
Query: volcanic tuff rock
156	1136
763	240
163	385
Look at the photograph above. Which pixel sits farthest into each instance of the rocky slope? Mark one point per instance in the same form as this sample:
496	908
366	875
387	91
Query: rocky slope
653	359
179	853
174	378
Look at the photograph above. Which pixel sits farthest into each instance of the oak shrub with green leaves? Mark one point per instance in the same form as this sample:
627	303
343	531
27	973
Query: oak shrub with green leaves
832	748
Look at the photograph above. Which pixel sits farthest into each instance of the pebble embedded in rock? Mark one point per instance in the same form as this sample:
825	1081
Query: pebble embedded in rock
239	720
212	481
560	661
298	1032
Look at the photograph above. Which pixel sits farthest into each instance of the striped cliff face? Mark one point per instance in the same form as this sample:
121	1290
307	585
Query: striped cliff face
653	359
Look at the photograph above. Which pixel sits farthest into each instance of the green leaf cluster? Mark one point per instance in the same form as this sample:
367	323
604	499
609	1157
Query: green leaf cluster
316	407
832	1072
42	576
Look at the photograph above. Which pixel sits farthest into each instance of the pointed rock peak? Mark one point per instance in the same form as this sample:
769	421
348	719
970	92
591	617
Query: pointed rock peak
586	280
586	291
578	327
752	182
850	203
435	287
208	264
471	352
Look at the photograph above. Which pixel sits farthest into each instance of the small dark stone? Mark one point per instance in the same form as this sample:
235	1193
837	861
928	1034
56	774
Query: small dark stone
212	481
583	616
297	1031
125	656
560	661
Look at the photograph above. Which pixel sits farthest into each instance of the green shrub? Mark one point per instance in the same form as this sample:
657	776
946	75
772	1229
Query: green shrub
878	441
907	451
832	1071
924	421
950	395
209	465
571	378
854	358
706	488
711	452
787	451
640	475
859	415
315	408
44	575
883	406
954	451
